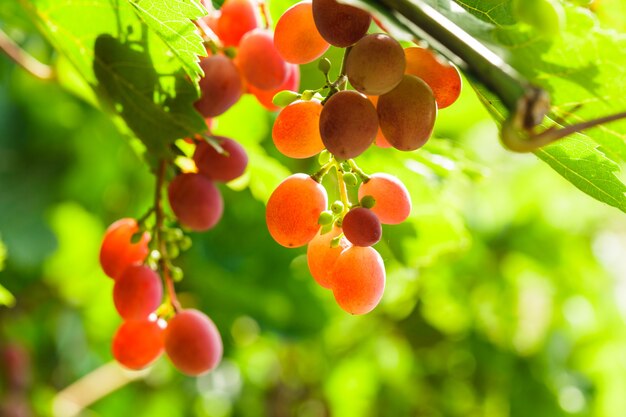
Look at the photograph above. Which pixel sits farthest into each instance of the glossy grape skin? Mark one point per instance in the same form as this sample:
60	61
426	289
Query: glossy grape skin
321	257
217	166
220	87
393	202
193	343
296	36
260	62
348	124
375	64
118	252
358	279
407	114
265	97
137	292
362	227
137	344
340	24
237	17
296	129
293	210
444	79
196	201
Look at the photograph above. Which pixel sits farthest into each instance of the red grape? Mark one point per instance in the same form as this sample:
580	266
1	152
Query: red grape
444	79
237	17
259	60
321	257
137	292
196	201
358	279
296	36
296	130
220	86
362	227
375	64
217	166
393	202
118	252
193	343
293	209
137	344
265	97
348	124
340	24
407	114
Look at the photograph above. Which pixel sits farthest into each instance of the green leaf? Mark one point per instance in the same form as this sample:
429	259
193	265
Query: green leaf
6	298
172	24
142	78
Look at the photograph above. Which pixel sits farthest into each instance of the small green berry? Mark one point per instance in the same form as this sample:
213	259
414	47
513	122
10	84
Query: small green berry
368	202
324	65
176	273
337	207
323	157
326	217
185	243
350	179
285	98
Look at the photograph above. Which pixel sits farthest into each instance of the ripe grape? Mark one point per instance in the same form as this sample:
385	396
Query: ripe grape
358	279
393	202
375	64
293	209
407	114
217	166
296	131
265	97
321	257
444	79
118	252
137	292
348	124
220	86
196	201
362	227
137	344
340	24
296	36
237	17
193	343
259	60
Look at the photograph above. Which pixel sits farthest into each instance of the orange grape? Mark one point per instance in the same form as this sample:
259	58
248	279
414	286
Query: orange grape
260	62
137	292
118	252
393	202
321	257
296	131
293	209
193	343
296	36
407	114
340	24
375	64
380	140
137	344
358	279
237	17
443	78
348	124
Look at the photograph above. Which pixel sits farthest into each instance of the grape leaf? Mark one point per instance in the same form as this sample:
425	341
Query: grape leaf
142	78
171	22
583	69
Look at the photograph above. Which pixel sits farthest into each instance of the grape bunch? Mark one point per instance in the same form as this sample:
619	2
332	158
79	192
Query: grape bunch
393	102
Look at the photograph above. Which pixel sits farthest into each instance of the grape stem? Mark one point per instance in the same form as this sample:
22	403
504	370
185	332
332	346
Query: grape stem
343	191
358	171
158	235
24	59
528	105
319	175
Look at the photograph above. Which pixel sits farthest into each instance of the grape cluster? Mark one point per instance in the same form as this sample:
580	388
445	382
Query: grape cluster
396	93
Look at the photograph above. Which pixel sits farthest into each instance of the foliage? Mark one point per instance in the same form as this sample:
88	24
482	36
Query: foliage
505	288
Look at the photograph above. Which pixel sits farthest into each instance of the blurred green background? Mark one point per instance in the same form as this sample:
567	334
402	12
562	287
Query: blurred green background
506	289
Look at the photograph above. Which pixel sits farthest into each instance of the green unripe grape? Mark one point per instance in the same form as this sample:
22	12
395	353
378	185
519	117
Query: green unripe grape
324	65
350	179
323	157
285	98
185	243
337	207
546	16
172	250
326	218
368	202
176	273
174	234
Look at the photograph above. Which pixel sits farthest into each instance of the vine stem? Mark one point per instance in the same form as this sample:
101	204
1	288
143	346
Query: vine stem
158	232
24	59
343	191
